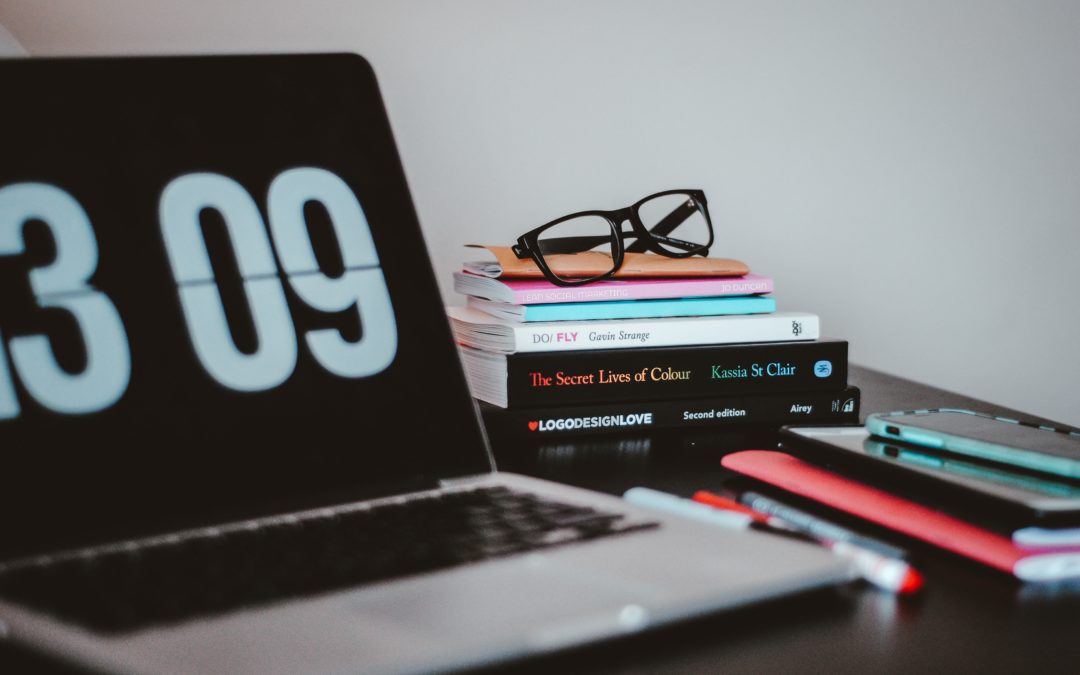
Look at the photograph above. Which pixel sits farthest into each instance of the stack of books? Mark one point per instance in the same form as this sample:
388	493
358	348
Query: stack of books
644	353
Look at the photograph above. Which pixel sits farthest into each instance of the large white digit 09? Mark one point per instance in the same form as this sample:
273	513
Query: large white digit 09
361	286
275	355
63	284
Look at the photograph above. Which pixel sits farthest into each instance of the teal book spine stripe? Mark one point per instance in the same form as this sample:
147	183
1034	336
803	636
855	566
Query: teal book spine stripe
649	309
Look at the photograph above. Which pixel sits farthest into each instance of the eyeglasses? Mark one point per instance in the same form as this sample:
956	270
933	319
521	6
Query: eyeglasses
652	220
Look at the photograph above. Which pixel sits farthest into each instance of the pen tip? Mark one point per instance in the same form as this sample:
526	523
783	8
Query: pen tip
912	582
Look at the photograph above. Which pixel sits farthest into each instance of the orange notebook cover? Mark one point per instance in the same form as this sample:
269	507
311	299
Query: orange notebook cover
593	263
902	515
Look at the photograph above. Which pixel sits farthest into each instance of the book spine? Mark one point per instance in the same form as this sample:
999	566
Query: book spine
566	378
839	407
749	285
621	333
649	309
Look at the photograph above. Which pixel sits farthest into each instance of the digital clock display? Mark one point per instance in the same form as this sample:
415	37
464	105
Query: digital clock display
215	297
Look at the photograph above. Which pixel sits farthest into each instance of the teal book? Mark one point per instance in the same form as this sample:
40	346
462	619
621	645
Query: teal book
626	309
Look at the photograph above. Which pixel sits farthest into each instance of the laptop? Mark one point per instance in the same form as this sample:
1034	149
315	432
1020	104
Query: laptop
234	431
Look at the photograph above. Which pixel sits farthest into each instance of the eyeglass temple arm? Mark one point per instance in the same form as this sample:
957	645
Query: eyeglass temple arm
555	245
665	226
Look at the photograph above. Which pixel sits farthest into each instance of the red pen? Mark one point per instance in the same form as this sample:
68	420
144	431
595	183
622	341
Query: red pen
714	500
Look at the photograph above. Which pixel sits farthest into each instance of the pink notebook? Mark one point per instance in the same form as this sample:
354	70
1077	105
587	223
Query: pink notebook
902	515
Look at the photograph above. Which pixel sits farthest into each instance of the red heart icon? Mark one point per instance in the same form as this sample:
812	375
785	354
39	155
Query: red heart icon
533	426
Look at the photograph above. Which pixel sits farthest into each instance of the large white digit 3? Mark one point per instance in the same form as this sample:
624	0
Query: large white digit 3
361	286
64	284
275	356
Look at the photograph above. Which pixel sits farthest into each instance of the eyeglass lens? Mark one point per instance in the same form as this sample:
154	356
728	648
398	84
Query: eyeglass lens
678	217
576	235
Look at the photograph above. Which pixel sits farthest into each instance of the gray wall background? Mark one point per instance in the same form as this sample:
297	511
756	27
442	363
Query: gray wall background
908	170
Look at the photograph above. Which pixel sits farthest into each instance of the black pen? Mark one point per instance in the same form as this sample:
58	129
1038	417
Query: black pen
817	527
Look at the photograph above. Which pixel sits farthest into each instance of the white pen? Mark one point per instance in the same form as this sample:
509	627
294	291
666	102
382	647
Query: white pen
677	506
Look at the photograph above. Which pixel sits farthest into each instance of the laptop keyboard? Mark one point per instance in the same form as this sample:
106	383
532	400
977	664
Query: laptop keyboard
216	570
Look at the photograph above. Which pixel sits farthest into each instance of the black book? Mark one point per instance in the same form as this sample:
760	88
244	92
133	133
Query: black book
814	407
536	379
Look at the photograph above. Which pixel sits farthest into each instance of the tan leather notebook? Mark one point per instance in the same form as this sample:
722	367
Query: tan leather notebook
593	263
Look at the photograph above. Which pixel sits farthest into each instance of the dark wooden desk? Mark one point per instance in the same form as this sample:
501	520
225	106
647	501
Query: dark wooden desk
969	619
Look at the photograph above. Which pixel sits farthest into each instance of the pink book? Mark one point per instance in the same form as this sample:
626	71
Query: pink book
541	291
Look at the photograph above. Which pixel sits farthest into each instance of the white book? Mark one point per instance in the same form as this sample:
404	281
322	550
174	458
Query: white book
483	331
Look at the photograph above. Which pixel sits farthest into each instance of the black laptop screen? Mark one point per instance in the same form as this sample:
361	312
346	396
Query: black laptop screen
215	298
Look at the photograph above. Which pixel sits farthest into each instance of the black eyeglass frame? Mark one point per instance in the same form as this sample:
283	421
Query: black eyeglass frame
647	239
